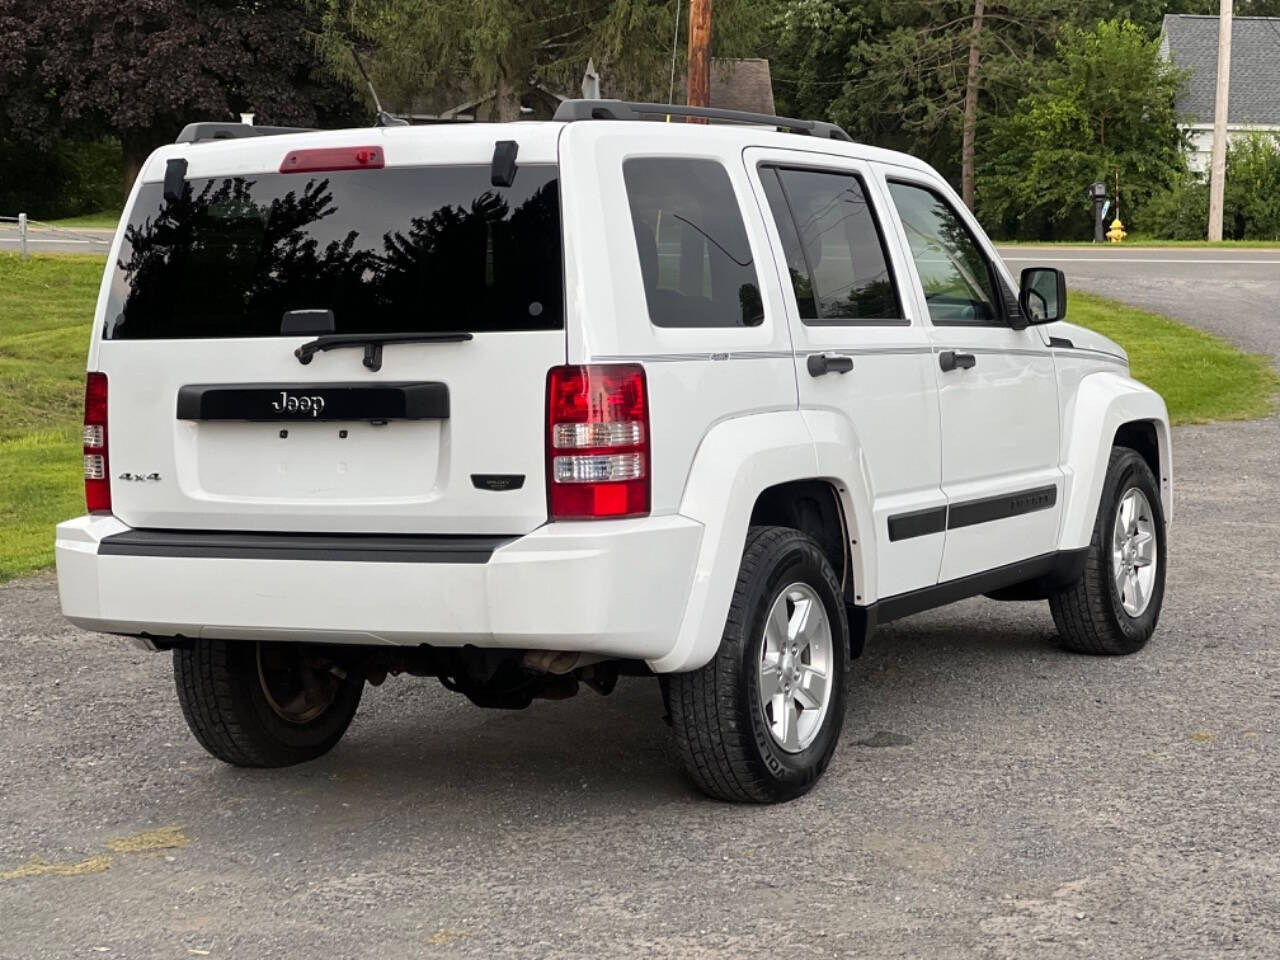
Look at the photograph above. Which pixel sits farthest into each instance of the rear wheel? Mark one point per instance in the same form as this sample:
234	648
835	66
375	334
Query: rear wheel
264	704
760	721
1113	607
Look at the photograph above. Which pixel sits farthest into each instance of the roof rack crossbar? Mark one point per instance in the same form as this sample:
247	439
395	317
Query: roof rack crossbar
200	132
571	110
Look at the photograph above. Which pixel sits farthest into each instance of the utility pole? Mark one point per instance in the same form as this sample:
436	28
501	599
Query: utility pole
1218	165
699	86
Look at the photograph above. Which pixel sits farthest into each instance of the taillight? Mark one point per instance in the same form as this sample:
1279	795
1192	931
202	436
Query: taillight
597	442
97	483
332	158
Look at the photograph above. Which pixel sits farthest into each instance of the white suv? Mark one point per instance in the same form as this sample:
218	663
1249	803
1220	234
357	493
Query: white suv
530	405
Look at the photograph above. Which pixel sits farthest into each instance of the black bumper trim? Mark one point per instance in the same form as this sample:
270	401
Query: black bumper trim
359	547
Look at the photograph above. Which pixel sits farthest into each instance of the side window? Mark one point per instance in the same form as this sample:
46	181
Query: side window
694	256
954	273
834	249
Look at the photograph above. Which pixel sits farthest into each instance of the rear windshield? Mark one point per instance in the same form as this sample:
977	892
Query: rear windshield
399	250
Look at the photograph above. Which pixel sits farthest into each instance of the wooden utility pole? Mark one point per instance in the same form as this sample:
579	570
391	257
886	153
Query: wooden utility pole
699	85
969	132
1218	164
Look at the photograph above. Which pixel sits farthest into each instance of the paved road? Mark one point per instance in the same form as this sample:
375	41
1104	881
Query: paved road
1049	805
51	240
1234	293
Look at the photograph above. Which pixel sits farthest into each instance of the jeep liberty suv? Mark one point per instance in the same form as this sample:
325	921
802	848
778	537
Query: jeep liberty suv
528	406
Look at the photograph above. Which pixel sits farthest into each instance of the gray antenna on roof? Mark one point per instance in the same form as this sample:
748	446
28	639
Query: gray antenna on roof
384	119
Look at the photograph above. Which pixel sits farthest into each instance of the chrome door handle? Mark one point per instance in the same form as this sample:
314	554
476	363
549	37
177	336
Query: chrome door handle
950	360
824	363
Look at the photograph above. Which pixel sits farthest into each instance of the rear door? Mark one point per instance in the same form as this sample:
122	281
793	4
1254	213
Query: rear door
215	423
861	347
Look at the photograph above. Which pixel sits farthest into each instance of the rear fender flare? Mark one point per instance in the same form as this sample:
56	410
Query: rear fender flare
737	460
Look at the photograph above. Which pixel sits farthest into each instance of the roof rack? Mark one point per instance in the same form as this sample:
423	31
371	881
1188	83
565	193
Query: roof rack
199	132
570	110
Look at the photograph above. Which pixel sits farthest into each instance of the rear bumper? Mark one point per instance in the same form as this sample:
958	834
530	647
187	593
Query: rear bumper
616	588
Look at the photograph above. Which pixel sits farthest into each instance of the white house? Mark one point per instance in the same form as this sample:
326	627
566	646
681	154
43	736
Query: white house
1191	42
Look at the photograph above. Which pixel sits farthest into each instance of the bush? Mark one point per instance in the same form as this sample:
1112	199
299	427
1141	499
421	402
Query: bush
1251	205
1251	197
1179	213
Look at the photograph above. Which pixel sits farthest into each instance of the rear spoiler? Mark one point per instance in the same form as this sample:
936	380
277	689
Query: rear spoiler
200	132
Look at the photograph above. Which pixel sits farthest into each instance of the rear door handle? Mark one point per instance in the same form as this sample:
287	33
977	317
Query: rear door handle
950	360
823	363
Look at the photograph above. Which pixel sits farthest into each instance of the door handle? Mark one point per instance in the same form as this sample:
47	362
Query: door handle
950	360
823	363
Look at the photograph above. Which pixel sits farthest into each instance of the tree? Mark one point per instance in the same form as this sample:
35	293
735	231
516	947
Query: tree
441	52
930	77
1106	108
140	69
914	75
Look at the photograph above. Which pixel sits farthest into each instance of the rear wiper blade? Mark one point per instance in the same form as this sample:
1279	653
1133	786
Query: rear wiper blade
372	343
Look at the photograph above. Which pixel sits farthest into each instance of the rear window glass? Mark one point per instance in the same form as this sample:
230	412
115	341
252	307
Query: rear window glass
835	254
399	250
694	256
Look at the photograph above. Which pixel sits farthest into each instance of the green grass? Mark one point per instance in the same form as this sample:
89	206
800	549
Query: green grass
1201	377
1139	241
103	220
47	304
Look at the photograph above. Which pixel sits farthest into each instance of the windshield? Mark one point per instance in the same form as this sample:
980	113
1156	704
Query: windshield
398	250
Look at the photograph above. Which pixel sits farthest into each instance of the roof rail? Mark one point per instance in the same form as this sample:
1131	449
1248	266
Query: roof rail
570	110
199	132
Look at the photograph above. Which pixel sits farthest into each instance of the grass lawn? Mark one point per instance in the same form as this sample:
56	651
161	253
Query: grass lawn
104	220
1200	377
47	304
1139	241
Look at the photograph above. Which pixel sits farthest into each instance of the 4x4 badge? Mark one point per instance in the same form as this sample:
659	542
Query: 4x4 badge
138	476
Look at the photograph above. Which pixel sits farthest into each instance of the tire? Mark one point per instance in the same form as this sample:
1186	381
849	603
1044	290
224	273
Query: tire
727	737
1091	614
226	691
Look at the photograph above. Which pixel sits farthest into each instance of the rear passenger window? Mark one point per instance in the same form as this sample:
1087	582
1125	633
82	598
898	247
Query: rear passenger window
833	245
694	256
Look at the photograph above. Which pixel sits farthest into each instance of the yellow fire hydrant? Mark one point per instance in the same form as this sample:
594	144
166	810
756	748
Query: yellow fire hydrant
1117	231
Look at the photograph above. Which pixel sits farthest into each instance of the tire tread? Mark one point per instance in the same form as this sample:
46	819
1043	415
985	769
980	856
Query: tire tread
714	740
1082	611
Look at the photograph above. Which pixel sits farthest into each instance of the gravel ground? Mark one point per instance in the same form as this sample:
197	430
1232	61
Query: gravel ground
1048	805
1032	803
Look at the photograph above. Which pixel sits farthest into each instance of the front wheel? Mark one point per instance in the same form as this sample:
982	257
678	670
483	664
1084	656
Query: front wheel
759	722
1113	607
264	704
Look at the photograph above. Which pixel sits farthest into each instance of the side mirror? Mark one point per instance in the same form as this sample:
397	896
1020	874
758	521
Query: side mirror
1043	298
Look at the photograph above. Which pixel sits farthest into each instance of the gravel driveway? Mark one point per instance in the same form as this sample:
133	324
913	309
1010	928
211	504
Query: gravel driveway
1049	805
1043	805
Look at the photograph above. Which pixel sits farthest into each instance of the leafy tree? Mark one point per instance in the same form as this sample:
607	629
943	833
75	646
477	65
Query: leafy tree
922	76
441	52
931	77
1106	108
140	69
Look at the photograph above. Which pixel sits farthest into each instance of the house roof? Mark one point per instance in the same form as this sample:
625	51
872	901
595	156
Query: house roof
1191	42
